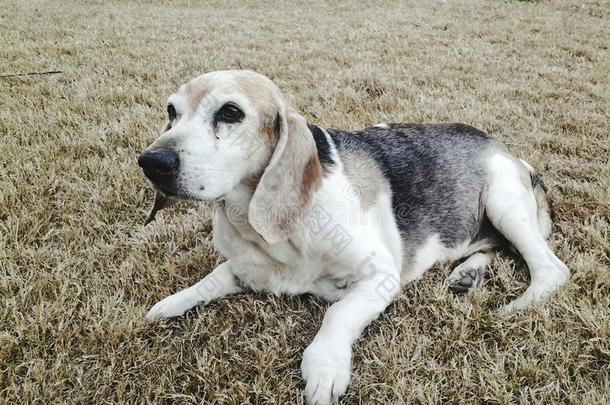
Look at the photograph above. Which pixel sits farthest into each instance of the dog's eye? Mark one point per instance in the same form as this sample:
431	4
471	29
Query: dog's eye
171	112
229	113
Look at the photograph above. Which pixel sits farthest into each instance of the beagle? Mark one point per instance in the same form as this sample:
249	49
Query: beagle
350	217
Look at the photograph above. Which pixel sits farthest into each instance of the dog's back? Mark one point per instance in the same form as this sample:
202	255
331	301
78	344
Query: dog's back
436	173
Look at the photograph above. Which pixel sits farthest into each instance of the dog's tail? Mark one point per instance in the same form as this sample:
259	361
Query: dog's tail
544	210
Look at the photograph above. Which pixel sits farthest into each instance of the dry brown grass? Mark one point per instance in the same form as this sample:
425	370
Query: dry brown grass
78	270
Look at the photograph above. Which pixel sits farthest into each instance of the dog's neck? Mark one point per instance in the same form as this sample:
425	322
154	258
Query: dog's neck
236	206
241	195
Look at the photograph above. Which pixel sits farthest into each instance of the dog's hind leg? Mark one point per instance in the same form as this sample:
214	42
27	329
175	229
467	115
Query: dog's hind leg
511	206
469	274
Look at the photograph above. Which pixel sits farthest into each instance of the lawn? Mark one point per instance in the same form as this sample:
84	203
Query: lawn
78	270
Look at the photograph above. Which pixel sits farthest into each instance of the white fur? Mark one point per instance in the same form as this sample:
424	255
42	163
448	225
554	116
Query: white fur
361	275
341	251
218	283
214	160
511	207
527	166
433	251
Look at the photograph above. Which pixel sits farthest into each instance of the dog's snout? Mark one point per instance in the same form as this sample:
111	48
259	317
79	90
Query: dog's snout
161	161
160	166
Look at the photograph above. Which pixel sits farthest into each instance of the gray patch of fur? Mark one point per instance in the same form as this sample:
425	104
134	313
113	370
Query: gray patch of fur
365	176
437	176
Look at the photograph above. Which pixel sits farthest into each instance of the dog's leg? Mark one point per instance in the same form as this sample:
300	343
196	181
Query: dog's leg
469	274
326	364
511	208
217	284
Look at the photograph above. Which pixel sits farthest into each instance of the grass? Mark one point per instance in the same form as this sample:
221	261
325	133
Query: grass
78	271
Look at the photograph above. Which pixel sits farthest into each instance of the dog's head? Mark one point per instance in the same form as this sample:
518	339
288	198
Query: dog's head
229	128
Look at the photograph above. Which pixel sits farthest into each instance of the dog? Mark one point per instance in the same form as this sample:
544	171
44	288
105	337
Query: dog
349	217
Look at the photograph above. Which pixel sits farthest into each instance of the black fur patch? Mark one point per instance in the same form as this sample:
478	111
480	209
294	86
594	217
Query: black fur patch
537	182
436	173
324	151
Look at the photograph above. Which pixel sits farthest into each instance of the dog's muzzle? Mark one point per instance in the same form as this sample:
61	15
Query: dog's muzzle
161	167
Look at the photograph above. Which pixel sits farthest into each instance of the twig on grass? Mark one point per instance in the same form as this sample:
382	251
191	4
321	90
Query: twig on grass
48	72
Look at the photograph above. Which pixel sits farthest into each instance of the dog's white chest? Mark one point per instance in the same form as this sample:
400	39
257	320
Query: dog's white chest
283	268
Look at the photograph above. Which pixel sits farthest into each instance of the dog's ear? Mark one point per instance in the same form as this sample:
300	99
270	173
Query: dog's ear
284	192
161	202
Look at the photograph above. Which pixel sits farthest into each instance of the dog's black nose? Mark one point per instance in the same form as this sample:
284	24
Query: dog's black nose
159	164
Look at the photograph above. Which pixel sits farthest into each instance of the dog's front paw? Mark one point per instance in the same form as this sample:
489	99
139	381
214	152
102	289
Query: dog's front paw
326	371
172	306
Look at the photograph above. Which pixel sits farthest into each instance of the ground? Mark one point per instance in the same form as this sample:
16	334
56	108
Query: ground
78	270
